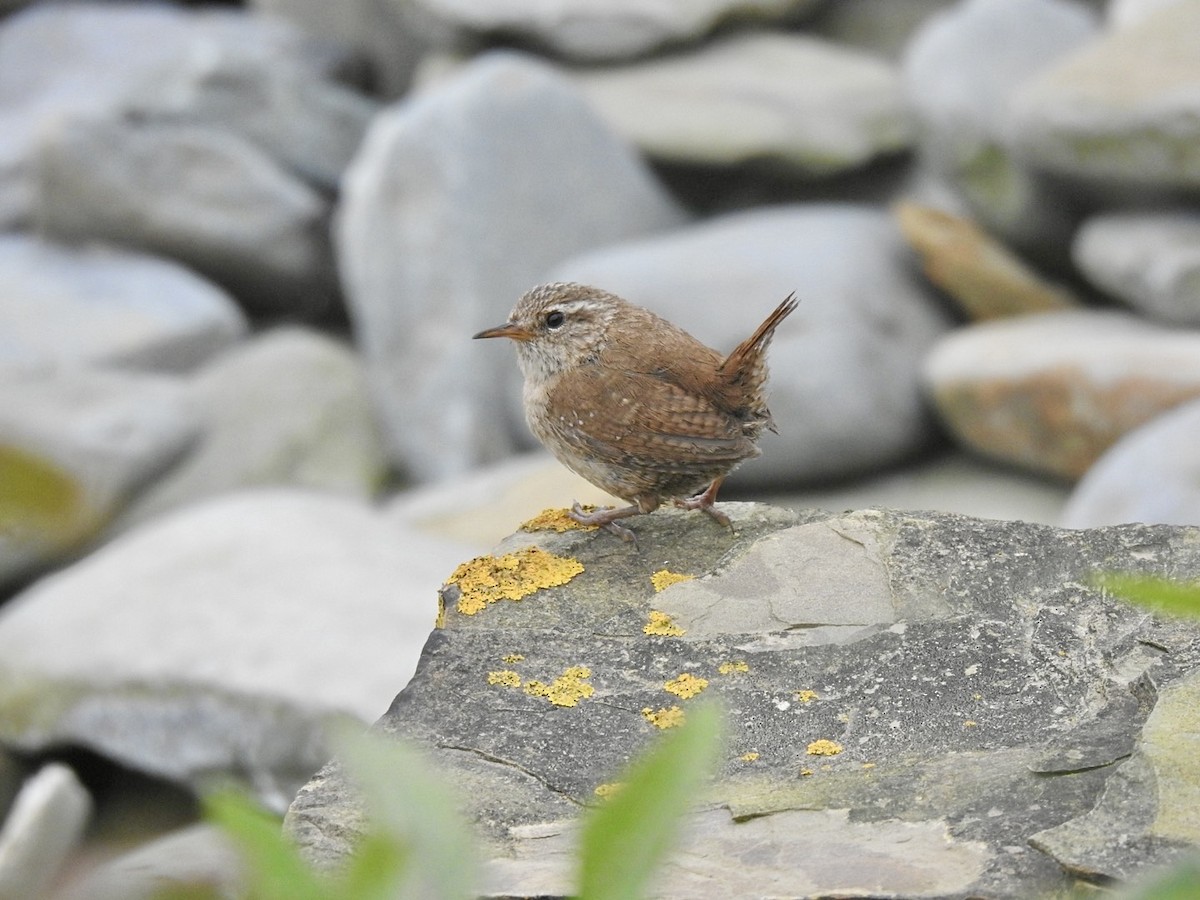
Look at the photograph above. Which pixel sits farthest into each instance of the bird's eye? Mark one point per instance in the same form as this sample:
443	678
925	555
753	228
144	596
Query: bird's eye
555	319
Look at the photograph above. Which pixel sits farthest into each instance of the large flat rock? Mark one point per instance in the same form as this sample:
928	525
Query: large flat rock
979	694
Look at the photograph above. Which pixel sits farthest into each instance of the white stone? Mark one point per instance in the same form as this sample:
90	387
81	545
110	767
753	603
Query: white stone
757	96
459	200
45	824
1149	260
70	306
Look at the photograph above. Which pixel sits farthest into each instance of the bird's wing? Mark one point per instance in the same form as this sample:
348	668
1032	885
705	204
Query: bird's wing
649	421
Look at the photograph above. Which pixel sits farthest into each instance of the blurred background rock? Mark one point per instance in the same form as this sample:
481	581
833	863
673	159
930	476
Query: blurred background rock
244	433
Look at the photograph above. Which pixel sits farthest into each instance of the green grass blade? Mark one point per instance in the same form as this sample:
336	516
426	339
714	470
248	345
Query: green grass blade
627	838
409	805
1158	594
274	868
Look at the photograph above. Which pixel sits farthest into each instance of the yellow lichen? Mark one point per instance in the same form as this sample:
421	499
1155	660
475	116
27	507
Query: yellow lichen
970	724
735	667
686	685
513	658
566	690
806	696
750	756
505	677
556	520
439	621
486	579
608	788
664	578
805	773
868	765
668	717
824	748
660	624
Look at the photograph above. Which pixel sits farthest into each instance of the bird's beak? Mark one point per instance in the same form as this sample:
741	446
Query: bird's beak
508	330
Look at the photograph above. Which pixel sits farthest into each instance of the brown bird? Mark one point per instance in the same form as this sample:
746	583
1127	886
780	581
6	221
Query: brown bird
634	404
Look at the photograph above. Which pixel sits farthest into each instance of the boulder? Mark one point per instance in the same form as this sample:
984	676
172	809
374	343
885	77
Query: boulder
768	97
289	407
960	72
221	641
1052	392
1148	260
916	704
208	198
460	199
1125	108
589	30
75	447
1152	475
96	305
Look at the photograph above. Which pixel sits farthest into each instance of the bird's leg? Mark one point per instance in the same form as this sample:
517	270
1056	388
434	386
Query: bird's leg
606	518
705	501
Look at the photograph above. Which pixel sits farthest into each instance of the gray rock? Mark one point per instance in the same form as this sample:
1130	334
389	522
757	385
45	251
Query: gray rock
976	691
881	27
844	368
1052	392
287	408
960	73
65	306
221	641
196	858
1125	108
1150	261
280	103
44	827
208	198
759	96
459	200
75	445
1121	13
591	30
376	30
1152	475
61	60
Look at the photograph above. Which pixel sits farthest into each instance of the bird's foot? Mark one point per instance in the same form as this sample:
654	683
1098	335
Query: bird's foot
605	518
704	501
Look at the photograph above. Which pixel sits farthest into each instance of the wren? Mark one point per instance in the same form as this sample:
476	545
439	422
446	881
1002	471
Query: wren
634	404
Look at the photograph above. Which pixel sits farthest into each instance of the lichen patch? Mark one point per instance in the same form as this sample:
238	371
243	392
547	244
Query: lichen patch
566	690
487	579
664	578
660	624
686	685
558	520
668	717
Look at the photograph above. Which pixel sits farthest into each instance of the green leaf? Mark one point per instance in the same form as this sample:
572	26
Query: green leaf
274	869
626	839
412	812
1158	594
1180	882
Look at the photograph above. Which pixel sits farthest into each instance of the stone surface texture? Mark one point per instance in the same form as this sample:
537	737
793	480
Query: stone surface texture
1152	474
980	693
960	73
459	201
289	407
590	30
222	639
1054	391
71	306
45	826
1148	260
1125	107
787	99
76	445
984	277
